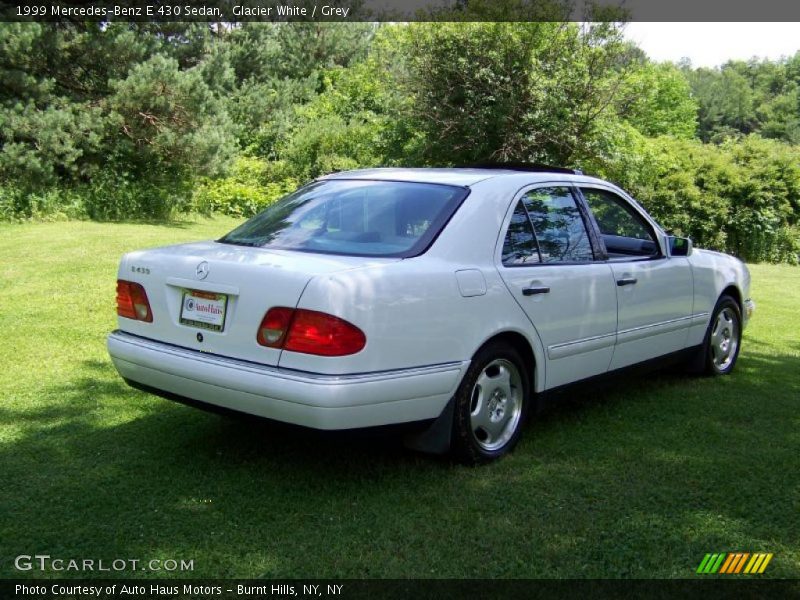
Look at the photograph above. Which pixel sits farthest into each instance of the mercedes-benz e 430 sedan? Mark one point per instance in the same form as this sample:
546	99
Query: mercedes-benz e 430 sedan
454	296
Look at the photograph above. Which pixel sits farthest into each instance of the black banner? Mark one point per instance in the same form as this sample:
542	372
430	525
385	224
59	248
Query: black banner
478	589
343	11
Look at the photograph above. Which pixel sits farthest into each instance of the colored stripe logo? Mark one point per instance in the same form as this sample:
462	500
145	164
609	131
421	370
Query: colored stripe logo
732	563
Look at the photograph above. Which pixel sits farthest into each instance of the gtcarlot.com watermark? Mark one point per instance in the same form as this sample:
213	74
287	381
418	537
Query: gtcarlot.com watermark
45	562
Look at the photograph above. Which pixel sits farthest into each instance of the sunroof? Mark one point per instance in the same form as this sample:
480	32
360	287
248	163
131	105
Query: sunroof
524	166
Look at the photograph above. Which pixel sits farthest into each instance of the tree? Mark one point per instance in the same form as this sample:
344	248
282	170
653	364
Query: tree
170	122
726	102
106	107
513	91
756	96
278	65
657	101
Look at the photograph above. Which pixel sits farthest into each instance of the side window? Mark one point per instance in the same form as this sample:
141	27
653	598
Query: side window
560	230
519	247
624	231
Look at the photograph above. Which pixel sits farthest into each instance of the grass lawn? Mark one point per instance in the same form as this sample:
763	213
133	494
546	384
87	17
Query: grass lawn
639	479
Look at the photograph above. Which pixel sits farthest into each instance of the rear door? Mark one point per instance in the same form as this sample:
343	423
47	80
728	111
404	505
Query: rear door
654	292
549	262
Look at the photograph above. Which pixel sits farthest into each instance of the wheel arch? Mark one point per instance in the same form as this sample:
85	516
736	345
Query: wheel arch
530	353
734	292
437	437
702	363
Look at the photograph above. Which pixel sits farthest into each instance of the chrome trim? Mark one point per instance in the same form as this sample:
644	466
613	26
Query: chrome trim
580	346
203	286
643	331
597	342
279	372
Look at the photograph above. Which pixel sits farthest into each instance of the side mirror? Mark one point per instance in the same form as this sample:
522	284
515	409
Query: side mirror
679	246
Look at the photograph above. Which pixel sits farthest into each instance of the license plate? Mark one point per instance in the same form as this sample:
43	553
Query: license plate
205	310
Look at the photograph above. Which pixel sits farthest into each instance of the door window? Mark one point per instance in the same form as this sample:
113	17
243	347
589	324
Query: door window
558	225
519	247
624	231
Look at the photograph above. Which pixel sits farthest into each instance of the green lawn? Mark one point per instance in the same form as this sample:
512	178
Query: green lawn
639	480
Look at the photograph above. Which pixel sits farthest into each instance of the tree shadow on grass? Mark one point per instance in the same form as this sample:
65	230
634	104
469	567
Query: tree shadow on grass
641	479
176	223
186	221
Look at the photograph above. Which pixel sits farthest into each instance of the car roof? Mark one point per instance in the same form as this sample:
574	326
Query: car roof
462	176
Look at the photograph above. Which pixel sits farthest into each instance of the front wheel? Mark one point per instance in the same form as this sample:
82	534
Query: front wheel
723	340
490	405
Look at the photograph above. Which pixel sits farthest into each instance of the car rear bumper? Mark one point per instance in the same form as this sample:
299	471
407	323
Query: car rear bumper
312	400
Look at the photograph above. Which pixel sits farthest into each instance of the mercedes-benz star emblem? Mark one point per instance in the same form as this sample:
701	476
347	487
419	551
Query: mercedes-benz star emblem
202	270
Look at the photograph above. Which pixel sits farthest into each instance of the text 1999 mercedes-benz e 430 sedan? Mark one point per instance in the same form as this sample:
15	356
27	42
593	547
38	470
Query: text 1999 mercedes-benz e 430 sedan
454	296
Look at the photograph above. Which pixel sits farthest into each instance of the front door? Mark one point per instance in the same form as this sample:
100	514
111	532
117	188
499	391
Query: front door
654	292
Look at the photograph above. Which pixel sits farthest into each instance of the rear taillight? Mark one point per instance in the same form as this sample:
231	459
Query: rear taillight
132	301
315	332
309	332
274	325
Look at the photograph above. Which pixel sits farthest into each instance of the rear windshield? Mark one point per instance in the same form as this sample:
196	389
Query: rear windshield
353	217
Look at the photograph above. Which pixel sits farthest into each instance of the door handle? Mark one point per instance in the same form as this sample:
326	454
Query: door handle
532	291
626	281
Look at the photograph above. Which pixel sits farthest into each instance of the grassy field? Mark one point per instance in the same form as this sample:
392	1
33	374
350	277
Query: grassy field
640	479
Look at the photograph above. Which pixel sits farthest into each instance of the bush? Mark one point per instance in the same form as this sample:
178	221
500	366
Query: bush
739	197
319	147
105	199
123	198
46	203
253	185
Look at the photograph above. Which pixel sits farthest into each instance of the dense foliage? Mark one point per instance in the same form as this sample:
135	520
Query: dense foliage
758	96
145	121
742	196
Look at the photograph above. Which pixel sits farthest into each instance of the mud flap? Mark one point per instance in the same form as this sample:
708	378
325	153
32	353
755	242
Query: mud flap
436	438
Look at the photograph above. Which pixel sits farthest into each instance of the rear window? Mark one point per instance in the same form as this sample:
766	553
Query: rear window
353	217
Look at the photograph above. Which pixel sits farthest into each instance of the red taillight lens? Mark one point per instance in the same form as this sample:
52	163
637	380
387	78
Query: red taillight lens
132	301
309	332
314	332
274	326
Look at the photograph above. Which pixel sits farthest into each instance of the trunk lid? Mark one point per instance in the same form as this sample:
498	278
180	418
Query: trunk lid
211	297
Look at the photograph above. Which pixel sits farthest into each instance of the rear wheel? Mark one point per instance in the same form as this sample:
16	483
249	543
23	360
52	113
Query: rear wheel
490	405
723	340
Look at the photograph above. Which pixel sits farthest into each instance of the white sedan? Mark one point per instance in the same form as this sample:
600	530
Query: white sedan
446	297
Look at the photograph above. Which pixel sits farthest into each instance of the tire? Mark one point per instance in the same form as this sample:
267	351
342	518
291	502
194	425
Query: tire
491	405
722	342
